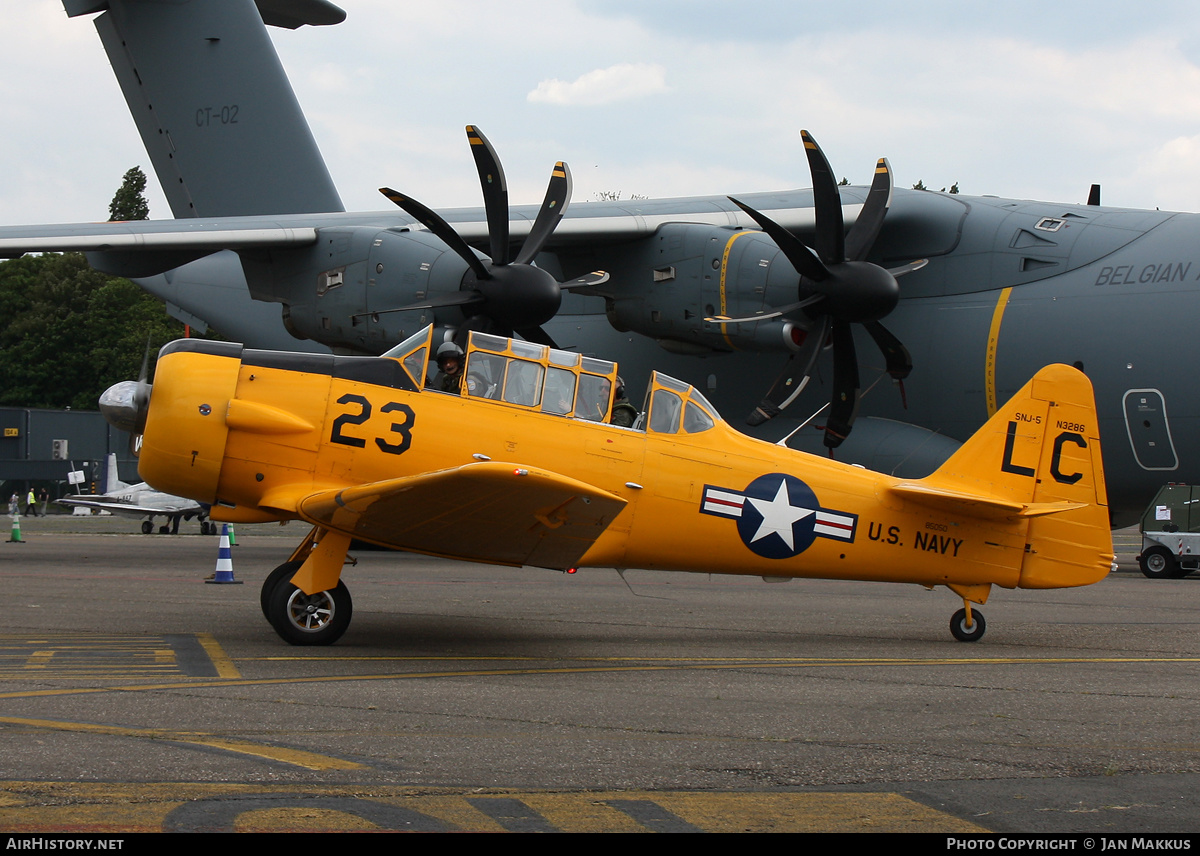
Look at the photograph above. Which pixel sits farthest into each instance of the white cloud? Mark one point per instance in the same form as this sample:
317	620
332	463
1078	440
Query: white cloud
619	82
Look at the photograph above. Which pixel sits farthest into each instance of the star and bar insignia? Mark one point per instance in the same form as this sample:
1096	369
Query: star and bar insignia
778	515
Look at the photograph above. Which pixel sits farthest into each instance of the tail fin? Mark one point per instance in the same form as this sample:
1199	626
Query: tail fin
1037	459
214	108
112	482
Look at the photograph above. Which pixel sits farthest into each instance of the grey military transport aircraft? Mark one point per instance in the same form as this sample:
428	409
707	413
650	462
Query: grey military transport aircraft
765	301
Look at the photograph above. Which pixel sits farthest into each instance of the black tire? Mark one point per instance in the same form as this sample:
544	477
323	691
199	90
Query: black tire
302	619
281	574
963	633
147	527
1158	563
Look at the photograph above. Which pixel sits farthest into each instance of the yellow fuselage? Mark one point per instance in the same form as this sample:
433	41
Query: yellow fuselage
254	437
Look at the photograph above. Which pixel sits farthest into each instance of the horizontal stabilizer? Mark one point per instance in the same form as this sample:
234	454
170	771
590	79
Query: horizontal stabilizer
977	505
492	512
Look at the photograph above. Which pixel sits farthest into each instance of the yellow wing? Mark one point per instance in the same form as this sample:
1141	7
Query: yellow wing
486	512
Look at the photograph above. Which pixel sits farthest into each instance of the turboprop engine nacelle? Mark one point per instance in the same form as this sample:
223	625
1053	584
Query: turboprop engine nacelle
341	291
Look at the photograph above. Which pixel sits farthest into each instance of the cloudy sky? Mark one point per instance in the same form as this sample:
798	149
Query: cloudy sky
665	98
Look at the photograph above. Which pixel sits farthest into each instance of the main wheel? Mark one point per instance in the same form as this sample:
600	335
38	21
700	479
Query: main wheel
963	633
281	574
302	619
1158	563
147	527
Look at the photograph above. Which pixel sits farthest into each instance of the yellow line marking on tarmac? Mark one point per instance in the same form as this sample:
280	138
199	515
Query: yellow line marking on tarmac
299	758
616	666
35	807
224	665
109	657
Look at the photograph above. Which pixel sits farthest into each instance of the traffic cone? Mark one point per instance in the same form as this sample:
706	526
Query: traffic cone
224	572
232	535
16	529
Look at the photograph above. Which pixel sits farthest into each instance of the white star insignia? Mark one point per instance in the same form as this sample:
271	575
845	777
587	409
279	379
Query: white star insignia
778	515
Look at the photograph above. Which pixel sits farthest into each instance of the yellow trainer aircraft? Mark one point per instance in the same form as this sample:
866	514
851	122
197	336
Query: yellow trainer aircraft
522	468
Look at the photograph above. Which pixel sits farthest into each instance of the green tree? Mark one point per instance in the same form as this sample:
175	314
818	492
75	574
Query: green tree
68	332
130	203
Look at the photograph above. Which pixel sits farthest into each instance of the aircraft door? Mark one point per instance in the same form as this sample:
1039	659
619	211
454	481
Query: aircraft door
1148	429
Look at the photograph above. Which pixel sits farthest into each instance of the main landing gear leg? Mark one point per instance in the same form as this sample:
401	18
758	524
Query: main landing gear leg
318	610
967	625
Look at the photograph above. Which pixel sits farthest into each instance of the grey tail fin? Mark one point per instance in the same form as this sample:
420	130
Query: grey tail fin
112	482
213	105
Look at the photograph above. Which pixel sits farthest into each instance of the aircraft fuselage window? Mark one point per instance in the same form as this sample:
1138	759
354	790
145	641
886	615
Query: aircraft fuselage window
595	395
526	374
523	383
485	374
695	419
664	411
560	392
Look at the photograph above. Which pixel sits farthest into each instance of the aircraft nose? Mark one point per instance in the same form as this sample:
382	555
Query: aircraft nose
122	405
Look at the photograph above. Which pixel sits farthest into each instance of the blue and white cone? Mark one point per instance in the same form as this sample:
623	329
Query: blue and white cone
224	572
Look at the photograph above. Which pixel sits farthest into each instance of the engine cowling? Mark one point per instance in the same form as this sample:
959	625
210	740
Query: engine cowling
699	272
338	292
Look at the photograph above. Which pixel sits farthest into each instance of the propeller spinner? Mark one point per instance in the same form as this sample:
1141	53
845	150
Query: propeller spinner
837	288
125	405
502	295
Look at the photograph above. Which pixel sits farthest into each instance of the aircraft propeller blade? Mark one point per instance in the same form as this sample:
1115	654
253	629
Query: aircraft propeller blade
803	259
588	280
536	335
837	288
908	268
843	406
899	361
432	221
866	227
495	193
505	297
827	204
795	375
775	313
558	197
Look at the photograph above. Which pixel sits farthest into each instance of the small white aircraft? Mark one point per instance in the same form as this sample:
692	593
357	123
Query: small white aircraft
141	500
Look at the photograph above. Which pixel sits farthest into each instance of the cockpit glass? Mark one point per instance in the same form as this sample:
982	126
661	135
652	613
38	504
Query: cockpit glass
664	411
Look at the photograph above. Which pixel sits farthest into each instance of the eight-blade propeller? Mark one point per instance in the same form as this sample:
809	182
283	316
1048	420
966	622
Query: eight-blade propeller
837	288
502	295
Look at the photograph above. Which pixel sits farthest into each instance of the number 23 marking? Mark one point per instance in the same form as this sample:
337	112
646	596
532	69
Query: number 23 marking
403	429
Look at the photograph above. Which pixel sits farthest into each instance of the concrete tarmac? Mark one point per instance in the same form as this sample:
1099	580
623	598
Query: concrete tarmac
134	697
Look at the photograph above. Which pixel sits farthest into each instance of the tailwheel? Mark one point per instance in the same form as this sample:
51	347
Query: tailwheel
316	619
966	629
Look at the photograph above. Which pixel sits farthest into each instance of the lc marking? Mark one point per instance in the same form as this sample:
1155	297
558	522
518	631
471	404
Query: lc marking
1061	440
